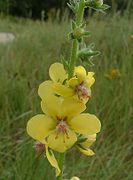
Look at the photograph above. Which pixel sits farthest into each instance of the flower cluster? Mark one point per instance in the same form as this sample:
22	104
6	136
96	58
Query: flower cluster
63	124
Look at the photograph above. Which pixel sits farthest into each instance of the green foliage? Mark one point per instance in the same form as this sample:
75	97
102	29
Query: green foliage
24	65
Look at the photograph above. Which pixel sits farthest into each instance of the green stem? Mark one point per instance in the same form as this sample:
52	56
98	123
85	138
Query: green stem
61	163
75	43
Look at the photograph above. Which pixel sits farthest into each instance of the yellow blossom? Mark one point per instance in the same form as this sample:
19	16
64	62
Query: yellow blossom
132	36
61	123
78	86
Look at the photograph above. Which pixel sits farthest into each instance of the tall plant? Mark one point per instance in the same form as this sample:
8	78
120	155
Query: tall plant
63	125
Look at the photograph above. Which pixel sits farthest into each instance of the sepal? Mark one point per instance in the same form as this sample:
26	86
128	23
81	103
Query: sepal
73	5
87	53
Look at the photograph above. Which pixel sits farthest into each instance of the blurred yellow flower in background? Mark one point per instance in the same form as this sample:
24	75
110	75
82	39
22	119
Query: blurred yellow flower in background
62	121
113	74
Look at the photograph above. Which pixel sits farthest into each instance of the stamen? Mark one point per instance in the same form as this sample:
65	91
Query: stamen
82	91
62	128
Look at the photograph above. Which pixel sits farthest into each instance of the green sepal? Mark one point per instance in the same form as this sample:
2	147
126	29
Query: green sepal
86	54
87	33
81	140
73	25
73	5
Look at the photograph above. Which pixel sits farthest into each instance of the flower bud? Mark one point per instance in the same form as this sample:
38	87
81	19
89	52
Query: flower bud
99	2
78	33
39	147
74	178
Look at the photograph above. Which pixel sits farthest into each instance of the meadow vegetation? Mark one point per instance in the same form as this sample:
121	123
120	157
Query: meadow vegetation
24	65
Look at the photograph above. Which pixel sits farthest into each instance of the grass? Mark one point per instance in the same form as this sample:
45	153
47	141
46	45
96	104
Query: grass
24	65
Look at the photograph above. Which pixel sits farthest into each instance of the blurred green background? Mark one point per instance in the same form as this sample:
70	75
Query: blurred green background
24	64
35	8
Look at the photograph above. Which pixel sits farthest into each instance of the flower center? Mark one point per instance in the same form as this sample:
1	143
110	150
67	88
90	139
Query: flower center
83	92
62	128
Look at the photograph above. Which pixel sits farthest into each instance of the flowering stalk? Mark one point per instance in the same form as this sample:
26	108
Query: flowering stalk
62	123
75	43
75	47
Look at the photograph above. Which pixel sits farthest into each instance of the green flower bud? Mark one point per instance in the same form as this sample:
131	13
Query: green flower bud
99	2
78	33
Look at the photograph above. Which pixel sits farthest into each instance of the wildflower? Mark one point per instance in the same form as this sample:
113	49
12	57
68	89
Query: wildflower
61	123
132	36
113	74
58	74
84	146
78	86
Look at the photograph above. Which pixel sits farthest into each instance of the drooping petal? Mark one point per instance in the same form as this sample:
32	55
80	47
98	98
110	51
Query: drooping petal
39	126
63	90
89	141
61	142
86	123
52	106
73	82
57	72
87	152
45	89
52	160
90	79
72	107
80	73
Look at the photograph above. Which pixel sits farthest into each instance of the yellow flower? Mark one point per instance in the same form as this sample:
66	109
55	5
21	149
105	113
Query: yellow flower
78	86
132	36
58	74
61	123
84	146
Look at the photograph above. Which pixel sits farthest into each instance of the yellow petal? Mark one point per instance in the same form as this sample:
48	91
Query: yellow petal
73	82
61	142
90	79
57	72
85	124
52	106
87	152
63	90
39	126
80	73
89	141
45	89
72	107
52	160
